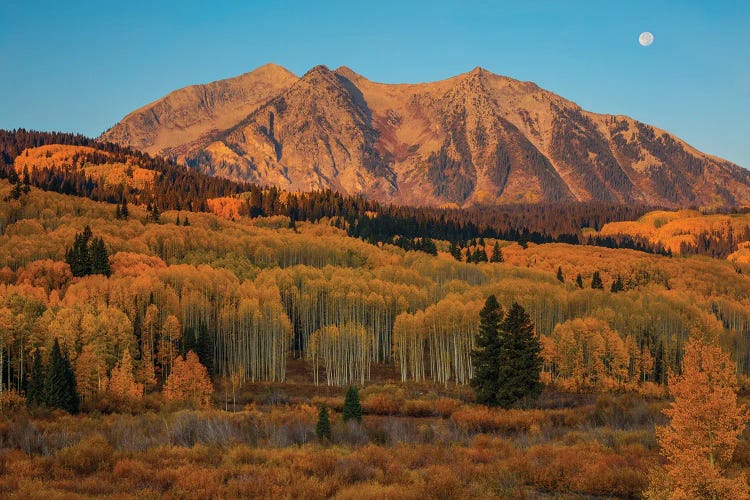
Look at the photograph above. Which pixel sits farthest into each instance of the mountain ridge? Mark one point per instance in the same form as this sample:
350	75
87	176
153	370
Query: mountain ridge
472	139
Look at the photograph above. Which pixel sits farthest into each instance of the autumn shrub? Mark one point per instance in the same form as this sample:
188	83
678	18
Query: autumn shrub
333	403
92	454
624	411
418	408
11	401
381	404
187	428
446	406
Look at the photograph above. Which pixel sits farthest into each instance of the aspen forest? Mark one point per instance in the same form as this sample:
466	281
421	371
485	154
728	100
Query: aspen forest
204	334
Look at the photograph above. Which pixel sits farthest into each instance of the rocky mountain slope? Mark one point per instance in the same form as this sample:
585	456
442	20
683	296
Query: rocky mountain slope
477	138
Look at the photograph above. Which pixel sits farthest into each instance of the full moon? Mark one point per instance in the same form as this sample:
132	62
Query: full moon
646	39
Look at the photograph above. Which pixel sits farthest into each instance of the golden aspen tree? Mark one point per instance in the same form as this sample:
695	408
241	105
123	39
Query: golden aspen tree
706	421
122	384
91	372
189	382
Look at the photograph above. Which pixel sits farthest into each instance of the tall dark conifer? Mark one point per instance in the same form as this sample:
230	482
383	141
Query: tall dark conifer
486	357
560	276
497	254
59	382
35	390
520	361
352	406
323	427
596	281
99	257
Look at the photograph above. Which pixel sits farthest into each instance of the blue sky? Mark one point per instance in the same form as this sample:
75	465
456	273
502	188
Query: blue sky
81	66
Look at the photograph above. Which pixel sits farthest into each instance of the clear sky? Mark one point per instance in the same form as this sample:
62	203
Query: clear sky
81	66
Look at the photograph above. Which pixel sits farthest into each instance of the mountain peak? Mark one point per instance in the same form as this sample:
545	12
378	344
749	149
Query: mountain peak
476	138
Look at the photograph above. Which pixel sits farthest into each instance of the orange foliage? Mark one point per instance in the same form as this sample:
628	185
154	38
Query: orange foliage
122	383
189	381
706	422
228	208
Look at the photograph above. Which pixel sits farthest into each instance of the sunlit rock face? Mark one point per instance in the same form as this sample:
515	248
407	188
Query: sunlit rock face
477	138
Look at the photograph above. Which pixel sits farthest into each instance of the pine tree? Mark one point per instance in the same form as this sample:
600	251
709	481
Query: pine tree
480	255
17	190
579	281
59	382
455	251
26	180
155	213
177	222
596	281
352	406
323	427
99	258
497	254
560	276
186	222
617	285
520	361
705	424
35	390
205	347
486	356
124	213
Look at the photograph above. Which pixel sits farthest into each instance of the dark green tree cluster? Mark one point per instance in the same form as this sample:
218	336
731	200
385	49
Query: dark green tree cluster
55	386
88	255
617	285
323	427
596	281
507	359
352	406
497	254
122	212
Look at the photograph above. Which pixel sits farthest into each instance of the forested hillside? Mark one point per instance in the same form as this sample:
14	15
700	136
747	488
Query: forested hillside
253	292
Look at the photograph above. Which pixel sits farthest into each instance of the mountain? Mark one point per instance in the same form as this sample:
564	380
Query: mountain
475	139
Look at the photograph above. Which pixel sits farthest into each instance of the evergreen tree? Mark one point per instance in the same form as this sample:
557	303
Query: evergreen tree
17	190
60	382
323	427
352	407
455	251
486	356
35	391
480	255
26	180
520	361
99	258
560	276
617	285
155	213
124	213
186	222
78	256
177	222
497	254
596	281
205	347
579	281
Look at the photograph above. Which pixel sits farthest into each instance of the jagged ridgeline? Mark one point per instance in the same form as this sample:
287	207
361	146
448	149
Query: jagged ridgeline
249	295
474	139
